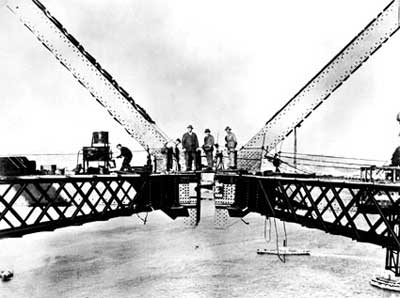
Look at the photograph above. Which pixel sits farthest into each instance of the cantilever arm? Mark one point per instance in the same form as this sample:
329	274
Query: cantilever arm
321	86
88	72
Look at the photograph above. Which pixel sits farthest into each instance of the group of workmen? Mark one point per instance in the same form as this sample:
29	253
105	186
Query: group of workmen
192	151
190	146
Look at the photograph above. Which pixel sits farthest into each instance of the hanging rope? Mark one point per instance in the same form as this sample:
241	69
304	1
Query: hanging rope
282	258
268	231
144	220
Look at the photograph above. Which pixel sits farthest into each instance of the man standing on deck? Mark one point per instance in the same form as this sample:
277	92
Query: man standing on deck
190	143
230	145
168	150
208	148
177	153
127	155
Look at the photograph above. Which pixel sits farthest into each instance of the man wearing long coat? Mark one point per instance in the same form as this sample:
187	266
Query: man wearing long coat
190	144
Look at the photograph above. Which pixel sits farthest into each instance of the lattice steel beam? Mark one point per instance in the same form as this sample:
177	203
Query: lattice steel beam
89	73
34	204
320	87
365	212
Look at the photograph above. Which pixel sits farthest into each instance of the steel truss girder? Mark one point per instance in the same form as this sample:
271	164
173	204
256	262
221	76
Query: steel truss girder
34	204
89	73
365	212
321	87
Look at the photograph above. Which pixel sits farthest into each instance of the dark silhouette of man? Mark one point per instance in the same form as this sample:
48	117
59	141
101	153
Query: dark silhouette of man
190	143
208	148
127	155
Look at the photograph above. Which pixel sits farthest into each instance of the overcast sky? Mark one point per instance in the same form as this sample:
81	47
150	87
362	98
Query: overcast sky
205	63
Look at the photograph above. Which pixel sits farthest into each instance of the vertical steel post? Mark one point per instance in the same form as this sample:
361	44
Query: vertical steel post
295	148
198	198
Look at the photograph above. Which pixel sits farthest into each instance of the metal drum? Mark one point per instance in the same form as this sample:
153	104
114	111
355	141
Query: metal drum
100	138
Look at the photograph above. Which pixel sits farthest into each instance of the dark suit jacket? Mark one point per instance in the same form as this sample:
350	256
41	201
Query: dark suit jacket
190	142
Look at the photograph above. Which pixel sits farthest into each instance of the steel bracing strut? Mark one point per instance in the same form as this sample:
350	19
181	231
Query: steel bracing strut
320	87
88	72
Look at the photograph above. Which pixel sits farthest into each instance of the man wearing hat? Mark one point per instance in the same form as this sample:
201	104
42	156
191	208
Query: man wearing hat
230	145
190	143
208	148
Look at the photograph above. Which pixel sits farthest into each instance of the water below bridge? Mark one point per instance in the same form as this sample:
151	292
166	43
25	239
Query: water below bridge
165	258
